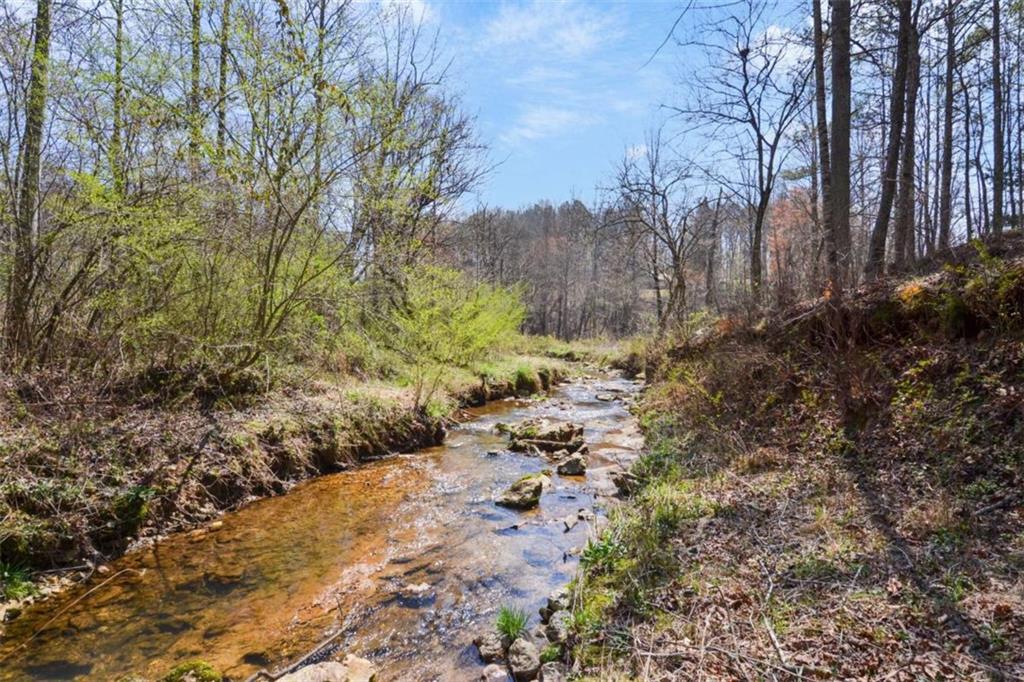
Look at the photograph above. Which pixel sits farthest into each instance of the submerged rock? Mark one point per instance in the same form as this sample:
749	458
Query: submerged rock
625	482
574	465
523	660
558	600
352	669
494	673
524	493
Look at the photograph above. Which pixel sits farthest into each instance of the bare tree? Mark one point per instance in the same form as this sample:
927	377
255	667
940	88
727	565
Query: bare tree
897	107
749	86
651	191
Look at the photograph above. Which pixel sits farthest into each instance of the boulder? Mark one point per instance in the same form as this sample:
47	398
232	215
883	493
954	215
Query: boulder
573	465
494	673
558	600
524	493
353	669
557	630
545	435
553	671
492	646
523	660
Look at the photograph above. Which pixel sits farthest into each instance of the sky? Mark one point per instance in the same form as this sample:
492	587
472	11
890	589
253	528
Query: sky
560	89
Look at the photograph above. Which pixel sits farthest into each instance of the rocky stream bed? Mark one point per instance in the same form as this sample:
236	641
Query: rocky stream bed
396	567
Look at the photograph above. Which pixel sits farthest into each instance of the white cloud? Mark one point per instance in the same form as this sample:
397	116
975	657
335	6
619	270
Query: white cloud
781	43
420	11
540	121
567	28
636	151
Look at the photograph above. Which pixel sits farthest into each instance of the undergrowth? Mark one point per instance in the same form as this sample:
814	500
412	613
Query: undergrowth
779	528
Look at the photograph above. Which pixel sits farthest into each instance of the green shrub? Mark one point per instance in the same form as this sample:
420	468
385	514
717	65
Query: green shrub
550	654
511	622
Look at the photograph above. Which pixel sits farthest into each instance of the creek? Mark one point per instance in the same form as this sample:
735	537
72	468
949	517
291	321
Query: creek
407	557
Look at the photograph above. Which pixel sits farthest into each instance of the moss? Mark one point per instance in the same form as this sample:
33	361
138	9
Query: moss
527	381
193	671
551	653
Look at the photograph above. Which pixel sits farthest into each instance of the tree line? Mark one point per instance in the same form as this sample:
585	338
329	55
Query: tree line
810	149
220	182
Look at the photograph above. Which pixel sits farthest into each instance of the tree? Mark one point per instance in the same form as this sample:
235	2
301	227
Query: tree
821	127
904	237
749	86
876	252
23	276
650	189
840	142
946	190
998	170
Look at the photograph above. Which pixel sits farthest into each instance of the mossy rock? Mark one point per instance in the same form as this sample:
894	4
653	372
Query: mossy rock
193	671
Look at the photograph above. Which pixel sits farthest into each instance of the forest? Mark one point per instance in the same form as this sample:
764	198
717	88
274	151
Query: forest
283	396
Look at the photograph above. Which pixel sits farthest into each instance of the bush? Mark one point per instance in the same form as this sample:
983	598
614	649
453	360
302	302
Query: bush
447	321
511	622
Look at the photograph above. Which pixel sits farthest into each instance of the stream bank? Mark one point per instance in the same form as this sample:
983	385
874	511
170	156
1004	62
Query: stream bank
83	481
407	557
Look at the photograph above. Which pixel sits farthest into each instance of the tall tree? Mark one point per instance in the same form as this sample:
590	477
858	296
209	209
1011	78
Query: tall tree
879	233
904	246
997	121
26	221
946	189
117	170
194	99
222	76
821	127
840	141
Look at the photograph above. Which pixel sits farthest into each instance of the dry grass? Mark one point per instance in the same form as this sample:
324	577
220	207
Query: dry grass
886	543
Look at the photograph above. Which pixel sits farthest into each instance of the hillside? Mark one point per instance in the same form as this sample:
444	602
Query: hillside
814	510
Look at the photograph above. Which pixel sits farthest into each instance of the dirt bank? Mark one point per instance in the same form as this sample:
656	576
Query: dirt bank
812	511
85	477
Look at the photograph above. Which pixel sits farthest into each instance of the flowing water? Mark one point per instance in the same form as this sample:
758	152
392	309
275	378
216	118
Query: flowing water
408	557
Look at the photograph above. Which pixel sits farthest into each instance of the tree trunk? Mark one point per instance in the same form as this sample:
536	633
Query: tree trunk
757	245
117	170
968	212
821	126
840	142
26	222
946	190
318	90
905	200
195	117
879	233
997	122
222	78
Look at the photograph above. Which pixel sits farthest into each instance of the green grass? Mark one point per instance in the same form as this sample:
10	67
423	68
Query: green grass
15	582
511	622
551	653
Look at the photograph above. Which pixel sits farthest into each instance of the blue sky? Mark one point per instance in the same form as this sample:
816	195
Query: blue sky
560	89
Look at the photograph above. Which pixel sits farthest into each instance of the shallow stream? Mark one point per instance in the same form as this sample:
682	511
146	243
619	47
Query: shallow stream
408	556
